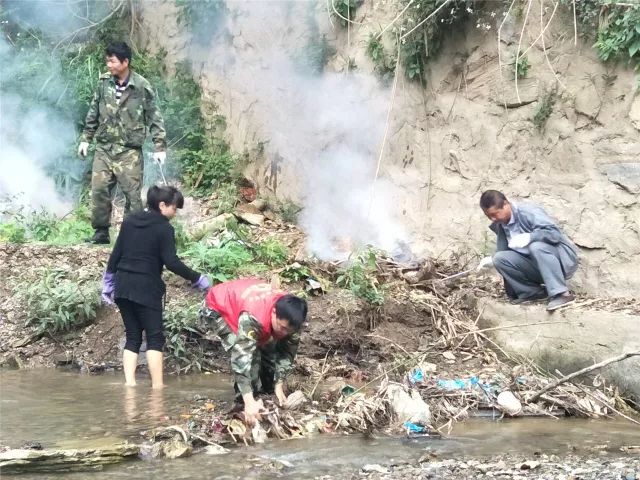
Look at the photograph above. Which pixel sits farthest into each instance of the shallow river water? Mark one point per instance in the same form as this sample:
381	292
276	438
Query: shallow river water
65	409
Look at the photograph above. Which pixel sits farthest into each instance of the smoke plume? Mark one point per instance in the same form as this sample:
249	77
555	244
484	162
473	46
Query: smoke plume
327	127
36	136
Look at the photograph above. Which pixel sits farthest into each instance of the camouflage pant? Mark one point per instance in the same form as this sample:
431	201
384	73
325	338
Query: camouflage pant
124	168
262	361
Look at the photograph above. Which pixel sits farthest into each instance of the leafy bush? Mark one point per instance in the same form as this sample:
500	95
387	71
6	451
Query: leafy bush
521	66
360	277
179	329
346	10
384	65
619	33
544	110
12	232
295	272
220	263
45	227
57	303
288	210
272	252
425	41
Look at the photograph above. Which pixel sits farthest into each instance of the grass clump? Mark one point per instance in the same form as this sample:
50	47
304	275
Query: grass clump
360	277
42	226
544	110
521	66
56	302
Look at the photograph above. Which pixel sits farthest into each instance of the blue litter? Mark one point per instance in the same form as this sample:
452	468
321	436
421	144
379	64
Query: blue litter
416	376
458	384
414	427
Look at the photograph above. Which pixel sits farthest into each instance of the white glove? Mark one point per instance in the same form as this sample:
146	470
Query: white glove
160	157
520	241
486	262
83	148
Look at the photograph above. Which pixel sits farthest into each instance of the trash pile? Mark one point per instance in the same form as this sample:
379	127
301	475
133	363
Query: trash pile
421	402
458	373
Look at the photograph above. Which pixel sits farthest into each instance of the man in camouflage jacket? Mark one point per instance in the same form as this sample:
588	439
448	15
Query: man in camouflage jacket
260	326
123	108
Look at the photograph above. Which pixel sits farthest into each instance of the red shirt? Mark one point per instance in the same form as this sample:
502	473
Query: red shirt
249	295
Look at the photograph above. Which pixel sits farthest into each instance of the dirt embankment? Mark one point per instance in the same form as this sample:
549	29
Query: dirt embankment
339	323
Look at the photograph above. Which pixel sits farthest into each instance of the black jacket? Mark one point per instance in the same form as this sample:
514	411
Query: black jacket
145	244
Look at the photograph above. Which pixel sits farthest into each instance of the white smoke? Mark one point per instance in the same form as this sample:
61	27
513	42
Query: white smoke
35	138
328	128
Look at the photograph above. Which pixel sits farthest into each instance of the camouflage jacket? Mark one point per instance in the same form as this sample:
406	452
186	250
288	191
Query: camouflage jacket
246	343
244	346
124	123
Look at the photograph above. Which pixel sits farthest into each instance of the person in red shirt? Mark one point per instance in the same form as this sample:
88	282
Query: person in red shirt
260	326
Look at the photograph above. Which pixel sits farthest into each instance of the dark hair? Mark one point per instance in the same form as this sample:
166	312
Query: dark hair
166	194
492	199
120	50
293	309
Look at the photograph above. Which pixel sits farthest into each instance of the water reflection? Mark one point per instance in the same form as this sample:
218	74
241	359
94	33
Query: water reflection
69	410
53	407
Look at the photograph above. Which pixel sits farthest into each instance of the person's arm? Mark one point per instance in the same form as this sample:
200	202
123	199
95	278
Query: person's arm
542	227
501	237
155	122
93	116
169	256
116	253
242	353
286	351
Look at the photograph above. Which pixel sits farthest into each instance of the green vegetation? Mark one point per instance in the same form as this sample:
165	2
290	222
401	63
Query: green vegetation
59	301
234	257
423	43
45	227
288	210
615	27
223	262
544	110
521	66
12	232
295	272
344	11
619	34
360	277
182	343
384	64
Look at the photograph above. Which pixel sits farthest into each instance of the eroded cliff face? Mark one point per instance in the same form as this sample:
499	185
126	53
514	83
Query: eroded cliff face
467	131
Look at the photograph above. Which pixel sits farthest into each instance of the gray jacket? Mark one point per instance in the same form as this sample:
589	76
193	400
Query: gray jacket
534	220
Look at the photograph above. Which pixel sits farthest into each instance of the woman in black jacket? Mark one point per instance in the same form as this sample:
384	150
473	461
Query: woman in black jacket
133	278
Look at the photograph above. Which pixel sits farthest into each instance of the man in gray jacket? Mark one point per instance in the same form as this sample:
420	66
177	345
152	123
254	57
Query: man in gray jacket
532	254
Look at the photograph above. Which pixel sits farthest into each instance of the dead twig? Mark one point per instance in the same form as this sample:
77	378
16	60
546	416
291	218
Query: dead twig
323	372
504	327
573	375
607	404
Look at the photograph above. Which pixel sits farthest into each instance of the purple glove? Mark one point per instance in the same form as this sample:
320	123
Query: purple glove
108	287
202	284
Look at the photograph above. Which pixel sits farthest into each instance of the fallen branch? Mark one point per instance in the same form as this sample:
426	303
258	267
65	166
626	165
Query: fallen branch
504	327
573	375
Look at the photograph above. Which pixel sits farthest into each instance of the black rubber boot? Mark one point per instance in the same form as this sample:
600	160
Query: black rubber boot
100	237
